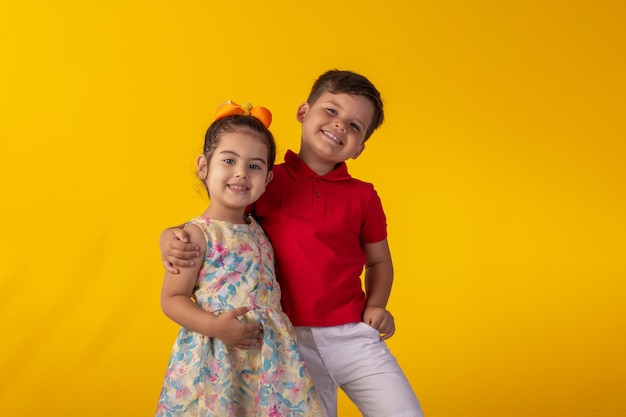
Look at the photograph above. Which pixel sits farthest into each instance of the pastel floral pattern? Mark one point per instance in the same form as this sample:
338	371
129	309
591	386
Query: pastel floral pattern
205	377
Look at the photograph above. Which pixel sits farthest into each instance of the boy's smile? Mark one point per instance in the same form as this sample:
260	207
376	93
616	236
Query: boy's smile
332	137
333	129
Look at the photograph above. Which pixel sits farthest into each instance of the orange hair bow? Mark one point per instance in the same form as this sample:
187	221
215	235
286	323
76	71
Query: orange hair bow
229	108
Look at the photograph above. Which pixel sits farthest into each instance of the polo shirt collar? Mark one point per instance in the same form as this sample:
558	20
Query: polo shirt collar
299	170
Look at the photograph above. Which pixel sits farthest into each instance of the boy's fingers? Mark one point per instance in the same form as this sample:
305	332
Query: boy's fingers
181	235
389	331
170	268
179	262
187	252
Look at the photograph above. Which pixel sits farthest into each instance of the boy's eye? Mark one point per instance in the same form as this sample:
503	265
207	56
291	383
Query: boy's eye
355	127
229	161
255	166
331	110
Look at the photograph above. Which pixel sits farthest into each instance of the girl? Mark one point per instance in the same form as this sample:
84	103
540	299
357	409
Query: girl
236	353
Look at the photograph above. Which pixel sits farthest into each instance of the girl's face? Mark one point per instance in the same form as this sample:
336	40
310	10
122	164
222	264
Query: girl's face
334	127
236	175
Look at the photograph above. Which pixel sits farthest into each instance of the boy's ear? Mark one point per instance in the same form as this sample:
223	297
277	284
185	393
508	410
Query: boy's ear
359	151
302	109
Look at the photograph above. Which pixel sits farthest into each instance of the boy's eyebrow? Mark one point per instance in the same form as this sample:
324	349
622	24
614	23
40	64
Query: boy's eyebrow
334	103
229	152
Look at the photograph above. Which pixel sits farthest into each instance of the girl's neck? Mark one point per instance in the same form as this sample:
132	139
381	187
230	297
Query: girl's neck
226	215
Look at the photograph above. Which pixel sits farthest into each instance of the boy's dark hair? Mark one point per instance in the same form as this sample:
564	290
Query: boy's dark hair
348	82
237	123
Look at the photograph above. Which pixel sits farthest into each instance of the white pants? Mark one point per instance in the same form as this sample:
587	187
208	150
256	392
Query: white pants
353	357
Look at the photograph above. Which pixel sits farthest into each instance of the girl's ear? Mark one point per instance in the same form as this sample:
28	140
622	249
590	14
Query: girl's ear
203	167
302	109
359	151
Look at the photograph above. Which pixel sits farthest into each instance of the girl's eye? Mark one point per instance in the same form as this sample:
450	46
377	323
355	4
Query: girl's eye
356	127
331	110
229	161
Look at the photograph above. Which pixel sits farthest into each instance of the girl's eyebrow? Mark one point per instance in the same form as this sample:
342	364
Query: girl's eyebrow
258	160
226	151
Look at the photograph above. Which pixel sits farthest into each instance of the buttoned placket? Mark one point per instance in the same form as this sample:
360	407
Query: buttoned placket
317	185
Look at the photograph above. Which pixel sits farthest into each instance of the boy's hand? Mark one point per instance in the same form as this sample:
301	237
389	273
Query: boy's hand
232	331
175	249
381	320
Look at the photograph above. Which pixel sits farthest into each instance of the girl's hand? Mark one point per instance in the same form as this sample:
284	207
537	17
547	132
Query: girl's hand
381	320
234	332
176	249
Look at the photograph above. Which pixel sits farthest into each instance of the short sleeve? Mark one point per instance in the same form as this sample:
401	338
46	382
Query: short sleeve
374	227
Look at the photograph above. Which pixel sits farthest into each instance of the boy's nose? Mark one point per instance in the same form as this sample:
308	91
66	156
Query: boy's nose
339	125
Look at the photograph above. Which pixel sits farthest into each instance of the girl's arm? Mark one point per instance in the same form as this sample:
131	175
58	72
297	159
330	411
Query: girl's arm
378	281
177	304
176	249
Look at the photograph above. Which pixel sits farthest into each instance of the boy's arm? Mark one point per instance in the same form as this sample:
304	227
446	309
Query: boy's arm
378	281
176	250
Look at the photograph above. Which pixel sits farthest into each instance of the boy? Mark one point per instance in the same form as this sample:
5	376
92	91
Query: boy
325	226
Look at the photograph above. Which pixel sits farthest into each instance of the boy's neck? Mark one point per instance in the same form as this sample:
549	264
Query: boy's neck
316	165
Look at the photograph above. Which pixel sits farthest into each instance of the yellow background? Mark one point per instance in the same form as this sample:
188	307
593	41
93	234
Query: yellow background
501	165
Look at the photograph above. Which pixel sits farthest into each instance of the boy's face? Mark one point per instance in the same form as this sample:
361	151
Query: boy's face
334	126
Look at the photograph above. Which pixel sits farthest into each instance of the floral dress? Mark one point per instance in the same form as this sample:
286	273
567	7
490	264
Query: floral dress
205	377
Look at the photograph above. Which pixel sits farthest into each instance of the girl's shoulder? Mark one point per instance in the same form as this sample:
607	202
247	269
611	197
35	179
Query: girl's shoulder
199	231
217	230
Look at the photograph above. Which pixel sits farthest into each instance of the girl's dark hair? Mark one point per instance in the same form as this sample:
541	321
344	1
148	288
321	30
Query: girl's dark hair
348	82
237	123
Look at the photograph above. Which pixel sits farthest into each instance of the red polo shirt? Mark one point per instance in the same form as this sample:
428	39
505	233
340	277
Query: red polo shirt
318	225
